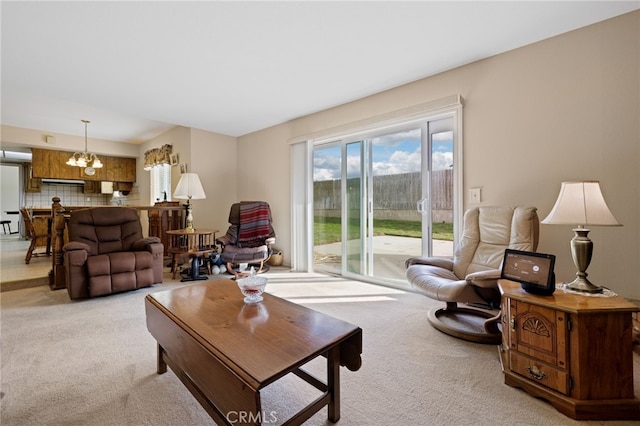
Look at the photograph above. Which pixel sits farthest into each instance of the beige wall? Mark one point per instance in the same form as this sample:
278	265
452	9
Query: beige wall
566	108
213	158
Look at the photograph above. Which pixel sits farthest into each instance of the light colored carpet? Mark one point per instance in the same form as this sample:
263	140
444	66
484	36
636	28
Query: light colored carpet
93	362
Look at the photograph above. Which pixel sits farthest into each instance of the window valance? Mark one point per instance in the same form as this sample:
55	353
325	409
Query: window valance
157	156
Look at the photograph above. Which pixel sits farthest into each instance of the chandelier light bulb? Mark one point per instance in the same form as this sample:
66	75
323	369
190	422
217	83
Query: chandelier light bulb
83	159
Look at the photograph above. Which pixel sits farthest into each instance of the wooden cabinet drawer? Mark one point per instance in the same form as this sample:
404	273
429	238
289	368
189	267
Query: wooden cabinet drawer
540	372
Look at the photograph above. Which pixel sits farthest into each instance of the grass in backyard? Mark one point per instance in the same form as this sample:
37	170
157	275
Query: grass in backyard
328	229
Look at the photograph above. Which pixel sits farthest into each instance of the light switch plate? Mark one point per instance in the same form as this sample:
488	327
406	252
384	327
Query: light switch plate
476	195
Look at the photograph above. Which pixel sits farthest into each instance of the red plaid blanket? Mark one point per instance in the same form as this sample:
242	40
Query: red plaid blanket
254	224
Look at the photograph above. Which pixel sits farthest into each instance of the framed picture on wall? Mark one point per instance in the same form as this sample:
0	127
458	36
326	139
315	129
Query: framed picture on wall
174	159
183	168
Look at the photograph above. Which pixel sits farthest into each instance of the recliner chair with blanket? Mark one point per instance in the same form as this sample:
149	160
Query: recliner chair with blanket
107	253
472	276
249	238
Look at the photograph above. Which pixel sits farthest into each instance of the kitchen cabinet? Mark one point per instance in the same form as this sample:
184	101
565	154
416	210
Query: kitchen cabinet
92	187
121	169
98	187
31	184
51	164
124	187
41	162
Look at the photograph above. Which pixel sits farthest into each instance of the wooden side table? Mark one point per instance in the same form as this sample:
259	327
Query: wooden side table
196	244
573	350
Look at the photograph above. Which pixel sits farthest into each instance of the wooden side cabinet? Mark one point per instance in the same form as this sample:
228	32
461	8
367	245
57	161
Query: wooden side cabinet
573	350
165	219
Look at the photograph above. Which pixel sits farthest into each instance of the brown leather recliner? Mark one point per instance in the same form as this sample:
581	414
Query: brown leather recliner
107	253
472	275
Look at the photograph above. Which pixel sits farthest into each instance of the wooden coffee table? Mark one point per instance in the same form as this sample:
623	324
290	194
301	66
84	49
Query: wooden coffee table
225	351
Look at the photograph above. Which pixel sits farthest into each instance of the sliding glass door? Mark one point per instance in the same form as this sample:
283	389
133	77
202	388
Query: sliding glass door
441	189
356	233
382	196
327	208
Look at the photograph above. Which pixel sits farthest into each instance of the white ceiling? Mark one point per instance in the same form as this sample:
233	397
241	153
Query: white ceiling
136	69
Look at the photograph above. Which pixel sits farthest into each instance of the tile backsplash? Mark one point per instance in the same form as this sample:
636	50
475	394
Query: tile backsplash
70	195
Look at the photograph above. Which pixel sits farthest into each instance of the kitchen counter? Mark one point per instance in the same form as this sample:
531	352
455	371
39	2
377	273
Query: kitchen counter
41	211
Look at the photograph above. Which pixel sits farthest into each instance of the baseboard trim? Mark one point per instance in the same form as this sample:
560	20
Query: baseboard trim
21	284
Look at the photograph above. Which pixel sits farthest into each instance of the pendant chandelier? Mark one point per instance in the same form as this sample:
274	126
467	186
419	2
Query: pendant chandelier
85	159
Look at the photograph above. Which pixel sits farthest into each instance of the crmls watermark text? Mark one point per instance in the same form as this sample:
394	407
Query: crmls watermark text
261	417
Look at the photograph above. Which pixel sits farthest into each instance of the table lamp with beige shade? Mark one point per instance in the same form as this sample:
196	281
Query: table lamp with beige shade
189	187
581	203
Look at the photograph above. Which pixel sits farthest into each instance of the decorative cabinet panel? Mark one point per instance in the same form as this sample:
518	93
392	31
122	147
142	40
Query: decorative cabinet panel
539	332
573	350
538	337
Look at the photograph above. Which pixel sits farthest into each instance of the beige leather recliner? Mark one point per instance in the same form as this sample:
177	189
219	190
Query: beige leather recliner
472	276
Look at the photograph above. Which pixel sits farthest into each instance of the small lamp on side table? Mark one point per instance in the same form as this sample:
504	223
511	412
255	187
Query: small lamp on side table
189	187
582	204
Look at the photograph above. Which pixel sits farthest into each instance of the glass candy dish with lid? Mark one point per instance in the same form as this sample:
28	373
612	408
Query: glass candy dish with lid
252	287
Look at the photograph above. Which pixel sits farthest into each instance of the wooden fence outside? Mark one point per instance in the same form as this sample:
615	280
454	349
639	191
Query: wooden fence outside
395	196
